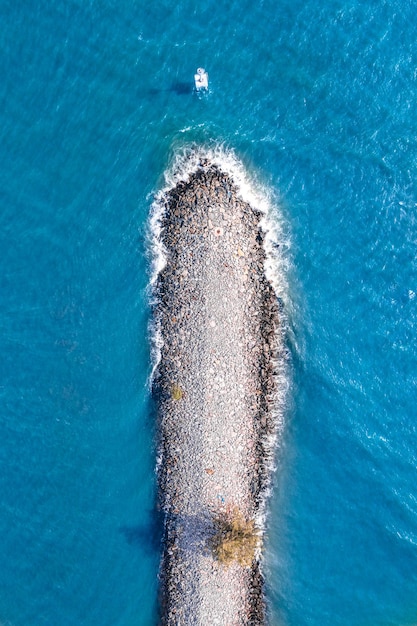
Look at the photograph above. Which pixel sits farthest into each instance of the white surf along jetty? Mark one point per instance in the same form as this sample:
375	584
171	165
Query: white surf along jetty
219	383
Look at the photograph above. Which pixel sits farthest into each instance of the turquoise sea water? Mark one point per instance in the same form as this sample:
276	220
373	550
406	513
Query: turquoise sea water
318	101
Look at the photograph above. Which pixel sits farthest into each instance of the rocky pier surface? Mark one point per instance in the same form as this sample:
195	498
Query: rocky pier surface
214	386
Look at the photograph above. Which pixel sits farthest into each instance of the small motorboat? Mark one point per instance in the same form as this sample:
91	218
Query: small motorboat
201	79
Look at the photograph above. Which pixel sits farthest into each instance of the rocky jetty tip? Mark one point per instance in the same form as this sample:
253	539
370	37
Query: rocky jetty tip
215	382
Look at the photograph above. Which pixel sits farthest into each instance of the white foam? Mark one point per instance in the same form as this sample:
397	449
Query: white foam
156	247
158	258
156	347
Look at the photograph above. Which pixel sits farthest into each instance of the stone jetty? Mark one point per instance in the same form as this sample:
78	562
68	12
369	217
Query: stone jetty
214	386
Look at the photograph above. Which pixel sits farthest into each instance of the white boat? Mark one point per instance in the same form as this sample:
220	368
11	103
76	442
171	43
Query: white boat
201	79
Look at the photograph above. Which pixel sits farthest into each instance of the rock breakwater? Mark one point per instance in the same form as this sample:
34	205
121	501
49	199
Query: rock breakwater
215	383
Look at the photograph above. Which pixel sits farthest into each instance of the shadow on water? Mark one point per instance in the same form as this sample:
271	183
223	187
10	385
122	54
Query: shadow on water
148	536
180	89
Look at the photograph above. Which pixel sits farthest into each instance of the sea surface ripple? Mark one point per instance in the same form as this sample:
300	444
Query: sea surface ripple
318	101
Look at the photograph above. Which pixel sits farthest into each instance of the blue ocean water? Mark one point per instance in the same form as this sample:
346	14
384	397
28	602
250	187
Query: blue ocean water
317	100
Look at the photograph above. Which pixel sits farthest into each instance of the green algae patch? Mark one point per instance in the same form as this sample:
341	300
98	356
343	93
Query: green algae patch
177	393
